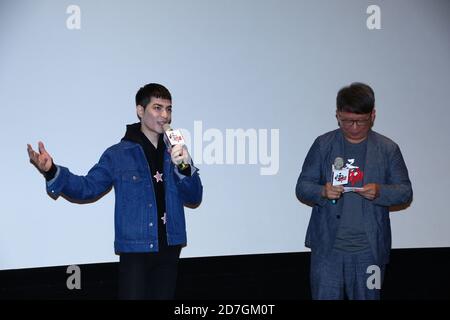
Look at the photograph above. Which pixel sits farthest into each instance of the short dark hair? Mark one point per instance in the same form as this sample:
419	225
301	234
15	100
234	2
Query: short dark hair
149	91
356	98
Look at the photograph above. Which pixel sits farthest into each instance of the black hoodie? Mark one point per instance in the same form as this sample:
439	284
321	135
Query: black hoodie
155	159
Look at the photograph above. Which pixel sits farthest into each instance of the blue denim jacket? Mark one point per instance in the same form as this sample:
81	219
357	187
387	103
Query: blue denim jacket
384	166
124	167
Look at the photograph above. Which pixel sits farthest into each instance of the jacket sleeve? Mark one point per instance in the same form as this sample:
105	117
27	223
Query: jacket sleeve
82	188
308	186
398	189
190	187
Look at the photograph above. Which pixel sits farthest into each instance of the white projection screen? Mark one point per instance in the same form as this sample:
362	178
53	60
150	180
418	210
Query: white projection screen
254	83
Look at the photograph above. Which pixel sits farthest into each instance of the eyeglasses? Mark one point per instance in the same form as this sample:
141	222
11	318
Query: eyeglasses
359	123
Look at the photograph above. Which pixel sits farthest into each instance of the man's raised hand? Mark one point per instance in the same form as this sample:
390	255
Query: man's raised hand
42	160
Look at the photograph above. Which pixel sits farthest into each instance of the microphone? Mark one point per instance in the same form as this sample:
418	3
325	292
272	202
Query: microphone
336	177
338	163
171	138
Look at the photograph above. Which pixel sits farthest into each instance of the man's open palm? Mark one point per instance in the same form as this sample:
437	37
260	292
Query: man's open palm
42	160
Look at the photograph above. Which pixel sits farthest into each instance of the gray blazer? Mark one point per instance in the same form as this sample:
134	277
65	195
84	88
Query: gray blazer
384	165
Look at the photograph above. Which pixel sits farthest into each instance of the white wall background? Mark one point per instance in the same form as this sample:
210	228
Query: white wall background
230	64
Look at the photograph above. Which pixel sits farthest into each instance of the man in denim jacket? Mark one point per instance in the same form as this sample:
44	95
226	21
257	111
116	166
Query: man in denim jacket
151	191
349	232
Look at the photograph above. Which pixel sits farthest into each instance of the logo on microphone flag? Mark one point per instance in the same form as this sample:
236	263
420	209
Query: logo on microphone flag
175	137
340	177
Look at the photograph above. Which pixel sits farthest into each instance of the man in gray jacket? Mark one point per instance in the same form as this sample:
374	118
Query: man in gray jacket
349	231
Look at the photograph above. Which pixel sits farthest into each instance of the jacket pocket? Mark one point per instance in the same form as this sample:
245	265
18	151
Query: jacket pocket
133	185
130	198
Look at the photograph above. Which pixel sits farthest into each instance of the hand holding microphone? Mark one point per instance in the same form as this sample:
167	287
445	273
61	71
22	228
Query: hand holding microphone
180	156
339	177
332	192
178	152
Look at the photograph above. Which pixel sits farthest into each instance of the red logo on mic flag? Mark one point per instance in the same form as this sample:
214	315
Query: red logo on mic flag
355	176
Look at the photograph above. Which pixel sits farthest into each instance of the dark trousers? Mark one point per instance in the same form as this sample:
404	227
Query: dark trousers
344	274
151	276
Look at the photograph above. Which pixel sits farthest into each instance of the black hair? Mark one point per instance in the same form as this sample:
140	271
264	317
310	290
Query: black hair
149	91
356	98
